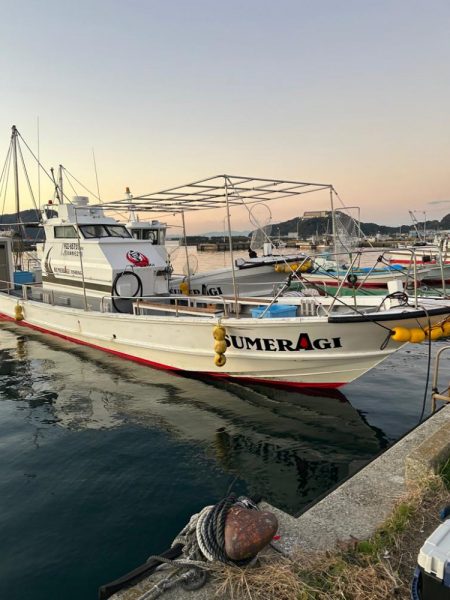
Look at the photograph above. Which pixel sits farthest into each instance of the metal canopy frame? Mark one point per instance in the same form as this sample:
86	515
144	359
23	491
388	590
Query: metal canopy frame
214	192
225	191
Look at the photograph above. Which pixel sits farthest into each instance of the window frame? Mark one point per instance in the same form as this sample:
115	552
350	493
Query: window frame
65	228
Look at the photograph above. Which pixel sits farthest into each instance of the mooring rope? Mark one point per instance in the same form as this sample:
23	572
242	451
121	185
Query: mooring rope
203	541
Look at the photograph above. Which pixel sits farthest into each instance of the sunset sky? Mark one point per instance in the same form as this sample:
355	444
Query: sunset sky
352	92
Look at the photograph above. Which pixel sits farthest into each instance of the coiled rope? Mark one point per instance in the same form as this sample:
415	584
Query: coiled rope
200	543
203	540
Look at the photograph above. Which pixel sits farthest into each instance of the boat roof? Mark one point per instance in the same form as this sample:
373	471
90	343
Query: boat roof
213	192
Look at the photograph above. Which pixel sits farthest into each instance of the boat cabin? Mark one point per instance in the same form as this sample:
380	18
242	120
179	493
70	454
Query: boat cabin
149	231
89	253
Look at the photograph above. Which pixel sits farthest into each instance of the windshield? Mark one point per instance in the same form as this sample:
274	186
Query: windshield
118	231
102	231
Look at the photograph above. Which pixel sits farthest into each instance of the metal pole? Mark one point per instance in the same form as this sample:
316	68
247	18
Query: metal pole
230	238
415	278
441	265
60	183
16	170
333	225
39	164
81	260
19	228
186	252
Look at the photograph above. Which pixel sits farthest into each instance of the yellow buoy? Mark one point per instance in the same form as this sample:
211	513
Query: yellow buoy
434	333
220	360
220	346
400	334
446	328
219	332
417	335
184	288
306	266
279	268
18	312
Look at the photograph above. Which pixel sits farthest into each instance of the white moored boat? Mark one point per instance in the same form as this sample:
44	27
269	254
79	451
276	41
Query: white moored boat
434	257
254	276
102	288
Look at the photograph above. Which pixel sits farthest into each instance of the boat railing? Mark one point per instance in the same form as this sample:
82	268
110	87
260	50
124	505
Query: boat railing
9	286
443	396
342	273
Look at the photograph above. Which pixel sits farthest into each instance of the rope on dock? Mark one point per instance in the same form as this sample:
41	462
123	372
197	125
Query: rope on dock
199	544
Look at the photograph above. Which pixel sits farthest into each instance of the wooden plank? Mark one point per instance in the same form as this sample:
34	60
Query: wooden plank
207	310
242	300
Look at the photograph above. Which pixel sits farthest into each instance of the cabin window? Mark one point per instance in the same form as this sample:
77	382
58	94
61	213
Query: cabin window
118	231
65	231
93	231
150	235
154	236
103	231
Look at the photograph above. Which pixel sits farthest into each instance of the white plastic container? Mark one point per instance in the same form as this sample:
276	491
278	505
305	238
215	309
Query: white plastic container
434	563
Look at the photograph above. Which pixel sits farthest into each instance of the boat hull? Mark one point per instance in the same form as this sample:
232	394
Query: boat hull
292	351
376	280
252	279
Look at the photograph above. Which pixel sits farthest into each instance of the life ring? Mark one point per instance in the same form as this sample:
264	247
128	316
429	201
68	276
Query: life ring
115	293
352	278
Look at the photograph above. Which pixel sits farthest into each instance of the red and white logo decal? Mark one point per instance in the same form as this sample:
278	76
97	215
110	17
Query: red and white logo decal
137	258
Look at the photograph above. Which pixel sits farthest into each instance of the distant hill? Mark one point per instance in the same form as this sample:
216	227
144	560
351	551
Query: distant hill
220	234
304	227
322	225
33	233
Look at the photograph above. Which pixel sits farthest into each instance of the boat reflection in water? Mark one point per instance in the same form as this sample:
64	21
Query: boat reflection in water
287	446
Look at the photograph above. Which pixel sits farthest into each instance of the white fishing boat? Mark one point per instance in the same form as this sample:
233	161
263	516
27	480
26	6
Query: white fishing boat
434	257
348	267
328	272
102	288
254	276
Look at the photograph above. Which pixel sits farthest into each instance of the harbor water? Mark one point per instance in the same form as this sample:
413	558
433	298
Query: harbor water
103	460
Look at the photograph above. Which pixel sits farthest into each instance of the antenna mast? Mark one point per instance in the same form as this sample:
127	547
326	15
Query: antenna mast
61	192
14	135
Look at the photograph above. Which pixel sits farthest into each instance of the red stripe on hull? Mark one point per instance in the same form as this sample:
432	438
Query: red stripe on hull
174	370
395	261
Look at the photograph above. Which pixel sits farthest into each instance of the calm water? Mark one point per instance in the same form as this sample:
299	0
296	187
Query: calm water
103	461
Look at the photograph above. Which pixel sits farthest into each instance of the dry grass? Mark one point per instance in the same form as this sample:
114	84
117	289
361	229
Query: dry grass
276	578
380	568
